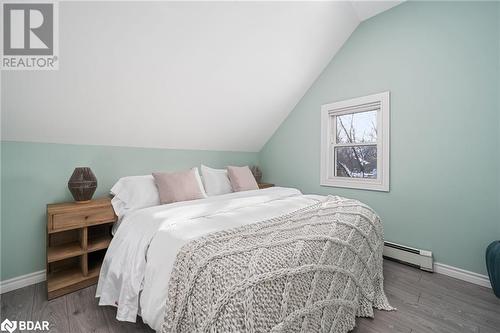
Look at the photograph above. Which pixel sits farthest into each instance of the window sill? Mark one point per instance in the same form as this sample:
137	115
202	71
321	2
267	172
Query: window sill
356	184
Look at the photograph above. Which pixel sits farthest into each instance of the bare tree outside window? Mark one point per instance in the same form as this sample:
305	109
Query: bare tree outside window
358	160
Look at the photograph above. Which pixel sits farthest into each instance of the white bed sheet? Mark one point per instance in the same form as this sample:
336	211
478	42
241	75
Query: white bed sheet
136	270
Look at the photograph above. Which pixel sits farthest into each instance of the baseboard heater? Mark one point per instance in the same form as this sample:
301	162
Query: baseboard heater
408	255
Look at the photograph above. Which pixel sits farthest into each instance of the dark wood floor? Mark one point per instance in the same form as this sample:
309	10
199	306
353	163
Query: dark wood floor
426	302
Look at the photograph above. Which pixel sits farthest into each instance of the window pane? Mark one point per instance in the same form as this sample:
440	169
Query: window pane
356	162
358	127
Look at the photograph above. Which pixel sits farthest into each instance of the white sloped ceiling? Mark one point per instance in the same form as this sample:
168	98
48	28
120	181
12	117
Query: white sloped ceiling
191	75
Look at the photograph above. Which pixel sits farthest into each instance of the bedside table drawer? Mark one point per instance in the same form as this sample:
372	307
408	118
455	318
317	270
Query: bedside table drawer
79	219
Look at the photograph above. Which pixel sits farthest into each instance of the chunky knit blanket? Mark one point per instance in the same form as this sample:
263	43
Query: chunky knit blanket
313	270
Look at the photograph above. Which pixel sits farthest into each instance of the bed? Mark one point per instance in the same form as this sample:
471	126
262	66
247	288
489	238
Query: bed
253	261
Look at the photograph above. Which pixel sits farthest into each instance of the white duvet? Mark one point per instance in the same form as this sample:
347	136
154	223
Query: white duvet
136	270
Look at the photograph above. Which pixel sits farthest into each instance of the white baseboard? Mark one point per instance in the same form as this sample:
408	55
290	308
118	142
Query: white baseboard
462	274
21	281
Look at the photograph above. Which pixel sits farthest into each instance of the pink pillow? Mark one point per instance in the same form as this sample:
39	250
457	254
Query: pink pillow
178	186
241	178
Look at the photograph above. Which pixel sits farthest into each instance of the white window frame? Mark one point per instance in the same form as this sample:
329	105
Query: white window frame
329	112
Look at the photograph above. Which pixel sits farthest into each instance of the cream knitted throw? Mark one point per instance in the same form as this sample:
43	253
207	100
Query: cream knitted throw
313	270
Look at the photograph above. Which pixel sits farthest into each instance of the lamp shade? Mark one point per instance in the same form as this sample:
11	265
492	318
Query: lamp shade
82	184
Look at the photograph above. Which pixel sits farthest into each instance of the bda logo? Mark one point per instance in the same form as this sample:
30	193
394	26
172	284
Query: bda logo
30	32
8	325
24	325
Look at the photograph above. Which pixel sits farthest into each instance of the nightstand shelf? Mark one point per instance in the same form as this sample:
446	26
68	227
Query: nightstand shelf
68	280
64	251
102	242
78	235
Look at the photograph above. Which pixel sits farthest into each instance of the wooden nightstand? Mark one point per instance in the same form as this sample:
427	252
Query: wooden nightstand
78	235
265	185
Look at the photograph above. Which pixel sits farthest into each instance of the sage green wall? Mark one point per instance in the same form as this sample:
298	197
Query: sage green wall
34	174
440	62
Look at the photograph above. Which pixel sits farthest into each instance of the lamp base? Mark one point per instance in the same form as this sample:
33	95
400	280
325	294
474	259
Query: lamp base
82	202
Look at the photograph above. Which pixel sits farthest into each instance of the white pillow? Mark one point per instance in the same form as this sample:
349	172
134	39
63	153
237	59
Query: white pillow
200	183
216	181
134	192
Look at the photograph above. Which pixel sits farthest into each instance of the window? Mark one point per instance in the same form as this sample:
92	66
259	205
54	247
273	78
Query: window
355	143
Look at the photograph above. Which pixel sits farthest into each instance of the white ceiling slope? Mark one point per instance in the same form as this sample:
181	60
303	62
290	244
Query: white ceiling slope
212	76
367	9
